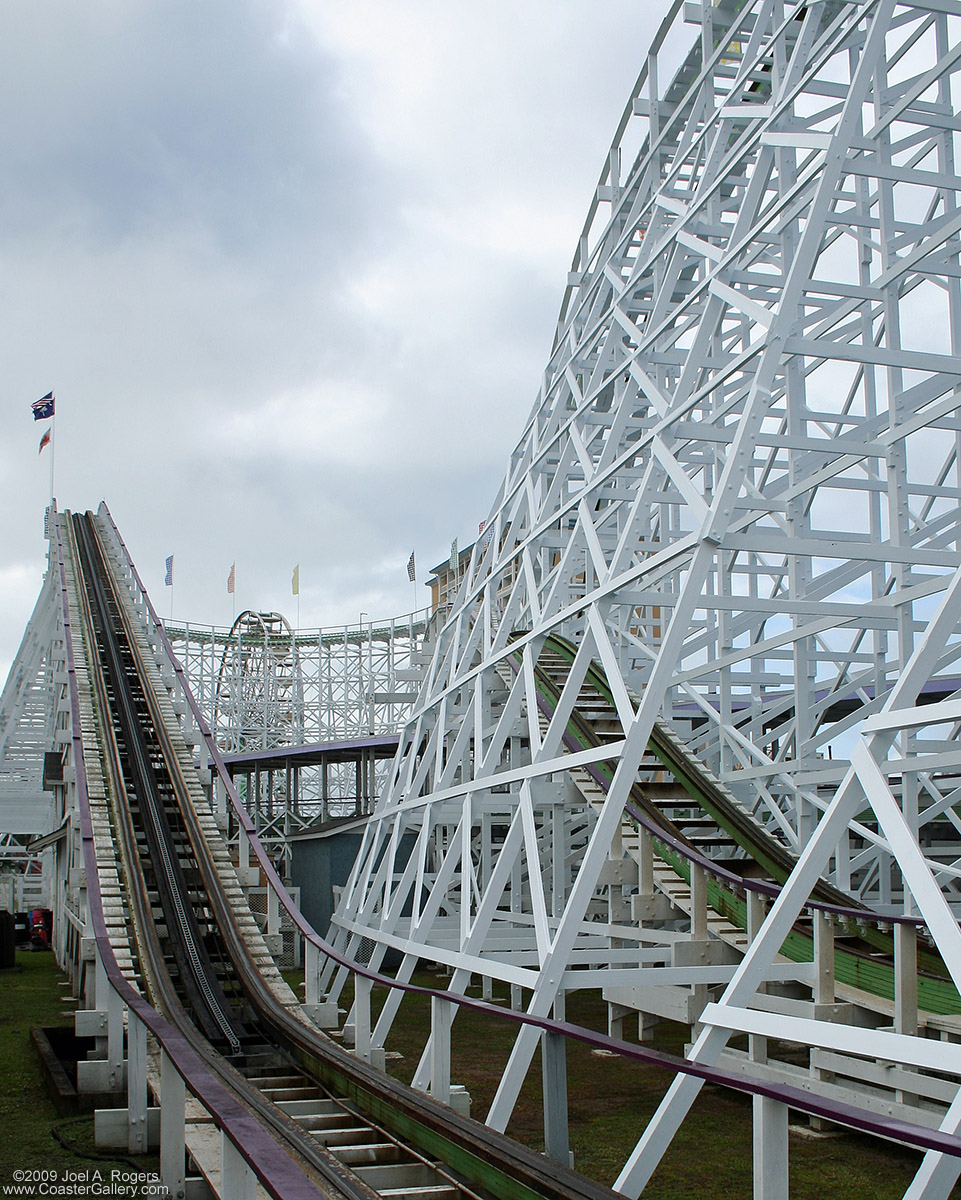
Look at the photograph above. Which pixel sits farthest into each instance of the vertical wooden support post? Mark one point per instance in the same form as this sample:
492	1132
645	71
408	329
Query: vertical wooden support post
906	979
440	1025
173	1100
273	911
554	1076
906	990
757	1045
558	859
615	1020
288	824
842	858
136	1084
645	888
517	996
109	1000
486	849
220	795
91	972
362	988
646	882
700	993
823	984
311	974
823	958
487	867
698	903
238	1180
324	790
770	1149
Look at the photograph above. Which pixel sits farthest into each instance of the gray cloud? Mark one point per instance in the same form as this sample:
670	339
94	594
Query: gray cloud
222	117
293	270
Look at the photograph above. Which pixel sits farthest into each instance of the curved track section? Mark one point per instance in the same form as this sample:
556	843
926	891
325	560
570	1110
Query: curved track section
738	494
349	1125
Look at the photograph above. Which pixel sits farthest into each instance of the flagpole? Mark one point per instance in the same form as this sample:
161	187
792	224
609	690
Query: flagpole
53	449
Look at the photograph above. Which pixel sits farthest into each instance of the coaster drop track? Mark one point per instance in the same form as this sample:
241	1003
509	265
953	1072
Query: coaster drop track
365	1134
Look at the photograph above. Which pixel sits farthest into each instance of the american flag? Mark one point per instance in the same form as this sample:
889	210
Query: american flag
44	407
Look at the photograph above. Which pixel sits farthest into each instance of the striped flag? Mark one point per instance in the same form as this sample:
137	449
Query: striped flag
44	407
232	579
169	571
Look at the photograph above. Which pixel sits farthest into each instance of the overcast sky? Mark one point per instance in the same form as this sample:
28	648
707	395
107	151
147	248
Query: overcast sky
292	270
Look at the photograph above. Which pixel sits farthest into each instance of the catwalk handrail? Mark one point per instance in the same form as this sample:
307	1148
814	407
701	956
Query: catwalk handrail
891	1128
280	1175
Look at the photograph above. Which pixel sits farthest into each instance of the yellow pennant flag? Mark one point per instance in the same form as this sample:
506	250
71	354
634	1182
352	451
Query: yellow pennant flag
295	581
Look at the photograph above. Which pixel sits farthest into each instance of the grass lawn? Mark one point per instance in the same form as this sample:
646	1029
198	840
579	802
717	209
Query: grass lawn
32	994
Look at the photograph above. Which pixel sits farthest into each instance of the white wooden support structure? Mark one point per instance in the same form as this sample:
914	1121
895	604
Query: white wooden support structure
137	1138
361	1013
441	1016
824	958
237	1179
906	978
736	500
113	1006
770	1144
173	1100
554	1080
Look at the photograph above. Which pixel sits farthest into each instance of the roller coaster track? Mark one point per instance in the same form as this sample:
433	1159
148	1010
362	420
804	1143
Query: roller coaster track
356	1132
340	1103
688	811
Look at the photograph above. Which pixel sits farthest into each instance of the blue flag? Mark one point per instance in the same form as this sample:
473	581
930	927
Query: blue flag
43	407
169	571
